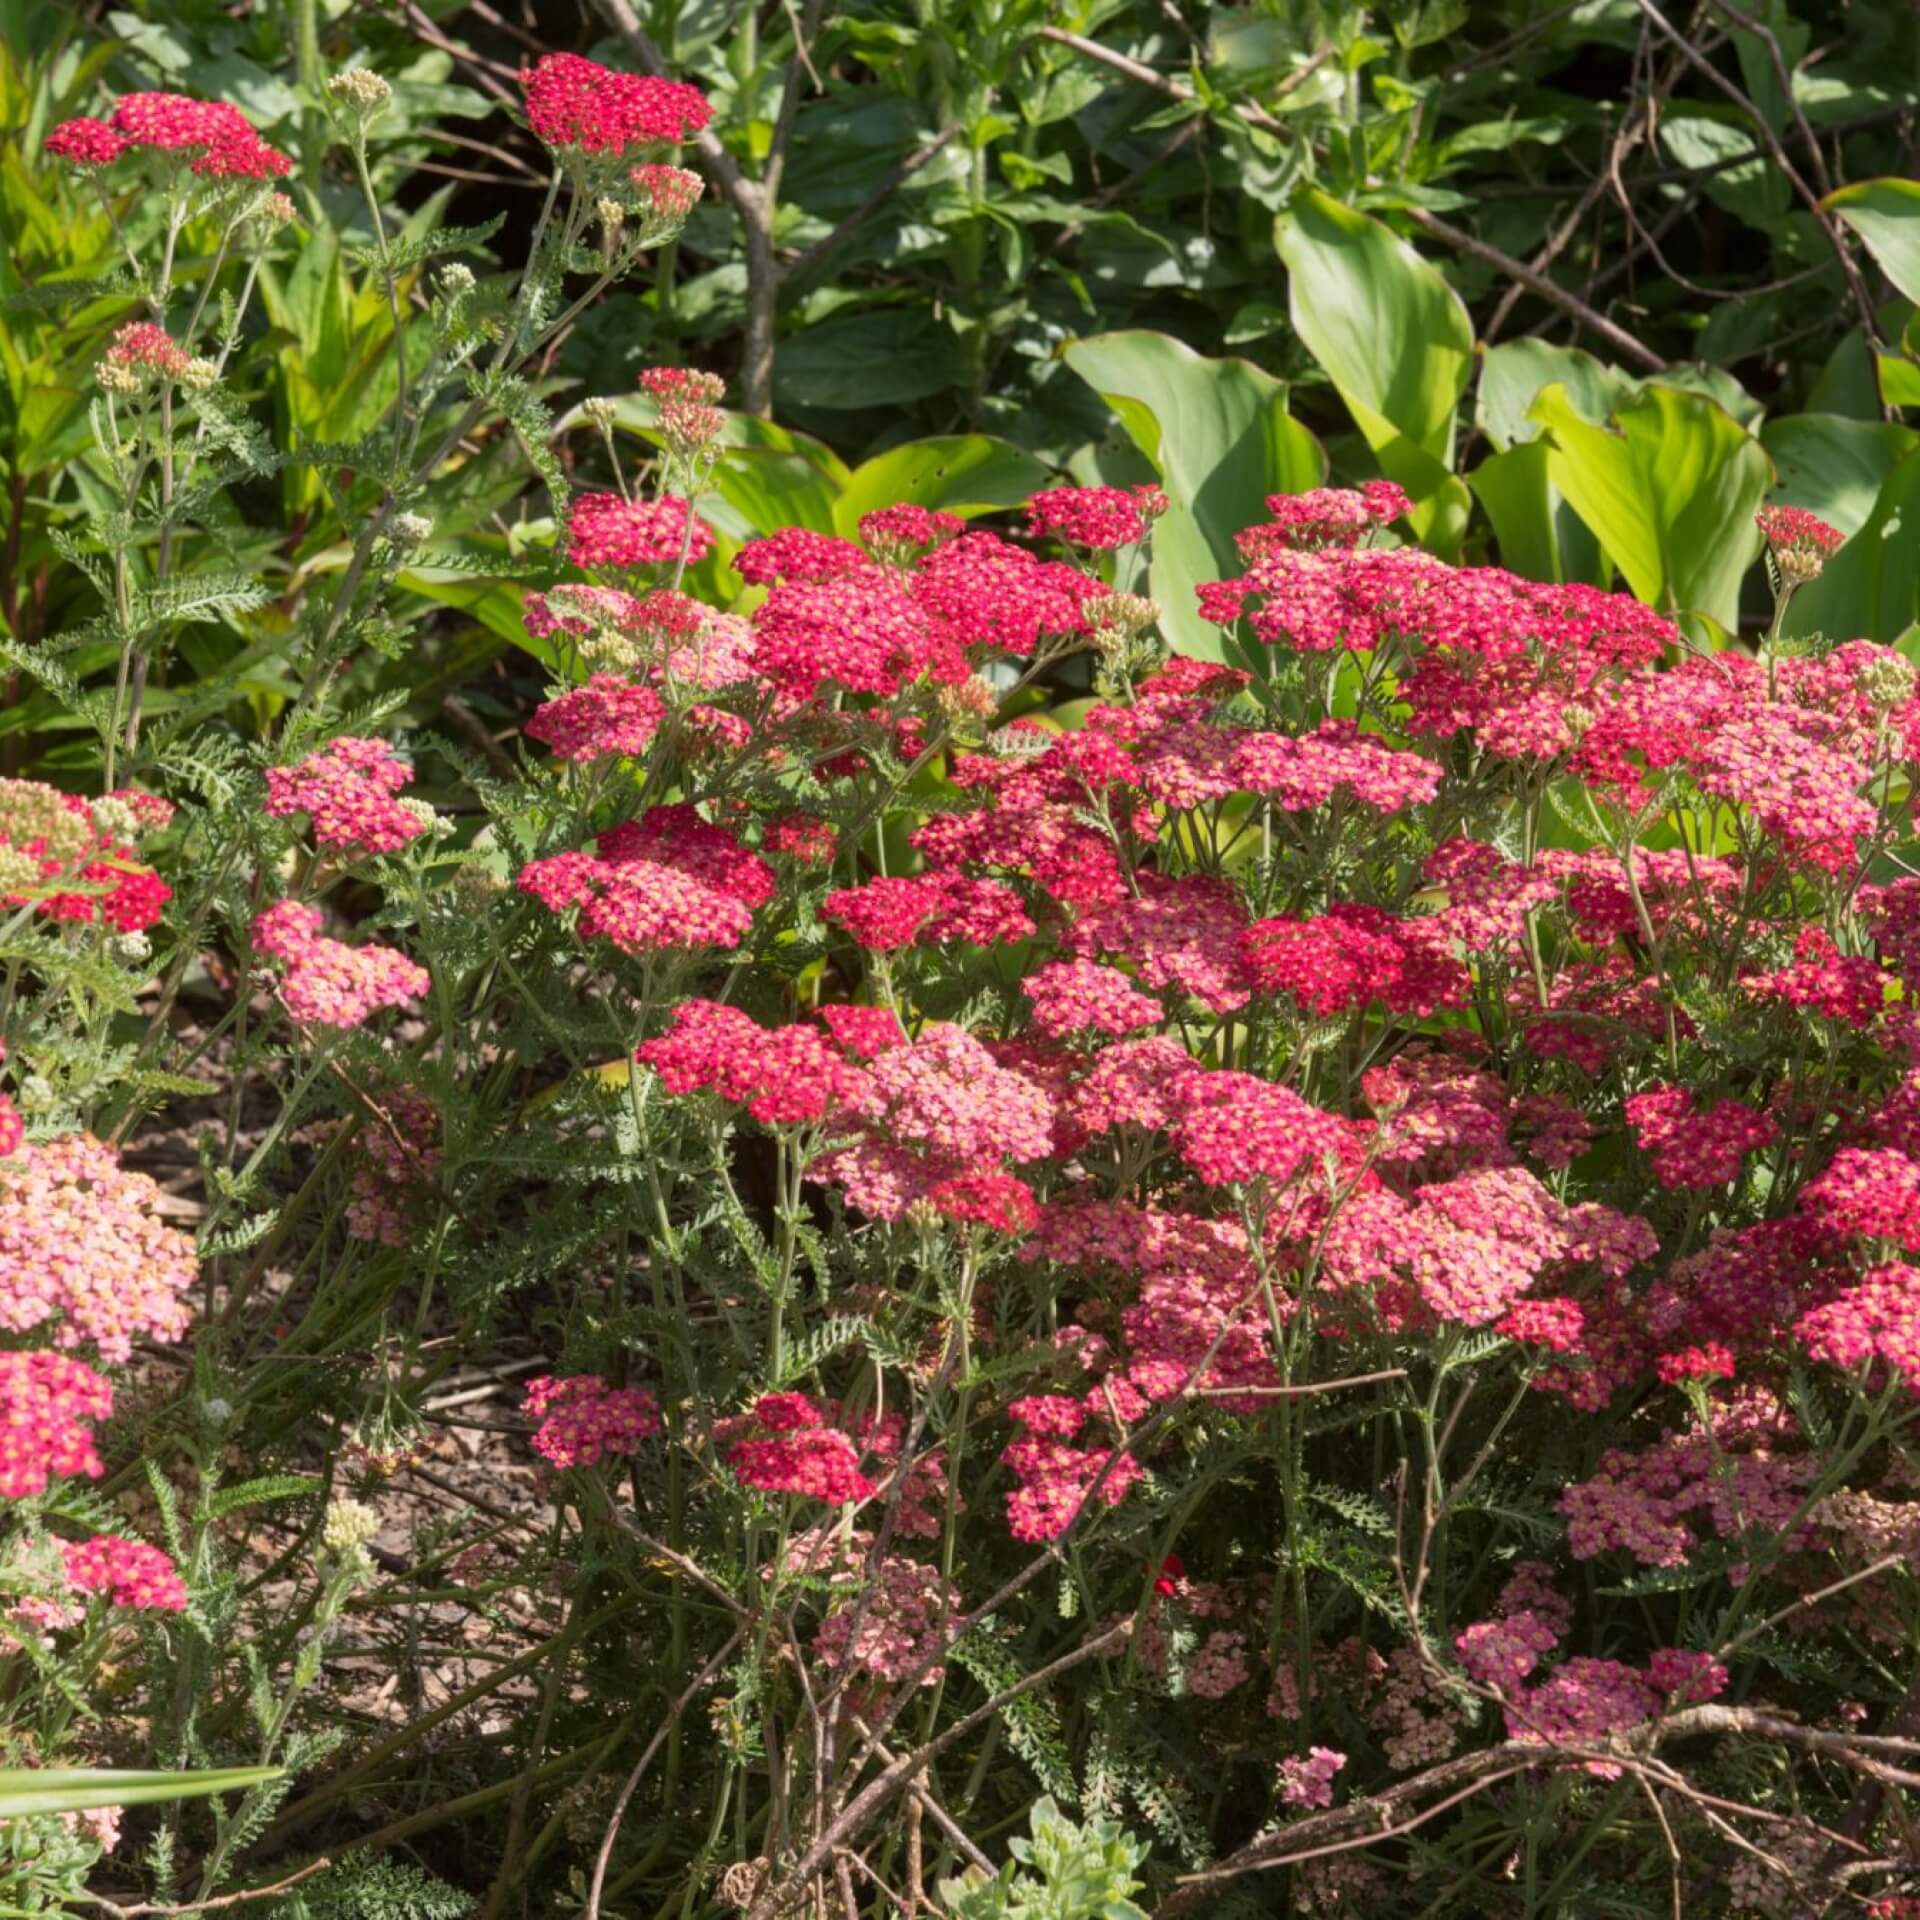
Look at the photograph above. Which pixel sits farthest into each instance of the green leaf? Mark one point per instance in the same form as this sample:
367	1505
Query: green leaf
1669	490
1513	375
964	473
25	1790
1220	438
1395	341
1886	215
1834	466
1540	536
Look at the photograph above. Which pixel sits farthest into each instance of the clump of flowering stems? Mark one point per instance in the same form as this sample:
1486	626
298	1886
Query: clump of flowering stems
1320	1259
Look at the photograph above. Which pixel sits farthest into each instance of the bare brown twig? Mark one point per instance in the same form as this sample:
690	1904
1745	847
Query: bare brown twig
226	1900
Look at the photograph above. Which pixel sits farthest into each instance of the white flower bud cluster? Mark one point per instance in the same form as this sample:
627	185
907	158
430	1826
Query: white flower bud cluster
360	90
347	1527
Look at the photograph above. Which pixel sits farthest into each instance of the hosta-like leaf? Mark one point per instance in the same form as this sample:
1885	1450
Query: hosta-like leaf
1220	438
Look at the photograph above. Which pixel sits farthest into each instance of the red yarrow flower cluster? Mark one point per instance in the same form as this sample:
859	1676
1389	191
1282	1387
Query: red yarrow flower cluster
578	104
1097	518
609	716
1693	1147
606	530
221	137
788	1447
798	553
783	1076
583	1420
995	1200
85	142
666	881
1324	517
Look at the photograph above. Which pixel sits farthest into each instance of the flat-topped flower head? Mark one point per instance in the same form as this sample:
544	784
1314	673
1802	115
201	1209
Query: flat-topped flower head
221	137
1096	518
85	143
84	1250
583	1420
129	1573
577	104
347	790
607	717
1324	517
47	1405
604	530
325	982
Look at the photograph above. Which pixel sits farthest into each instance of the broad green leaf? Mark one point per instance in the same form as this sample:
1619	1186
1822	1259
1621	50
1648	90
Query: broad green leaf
1513	373
1886	215
1899	379
1834	466
1220	438
25	1790
1736	174
1395	341
1669	491
1540	536
964	473
1870	589
767	490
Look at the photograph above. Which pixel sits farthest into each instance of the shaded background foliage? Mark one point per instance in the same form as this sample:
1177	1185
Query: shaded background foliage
1387	233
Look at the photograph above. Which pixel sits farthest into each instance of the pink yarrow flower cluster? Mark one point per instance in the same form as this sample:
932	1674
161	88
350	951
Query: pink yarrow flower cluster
47	1405
83	1247
128	1572
583	1420
607	530
325	982
346	790
667	881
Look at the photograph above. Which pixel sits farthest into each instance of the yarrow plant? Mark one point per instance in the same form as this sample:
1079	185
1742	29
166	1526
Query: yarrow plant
1309	1250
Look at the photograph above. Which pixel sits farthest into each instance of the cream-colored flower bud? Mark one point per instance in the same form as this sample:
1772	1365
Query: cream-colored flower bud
36	1093
276	208
600	412
130	949
361	90
409	529
18	870
1126	613
1887	680
457	281
348	1526
199	374
971	699
114	817
438	826
114	378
